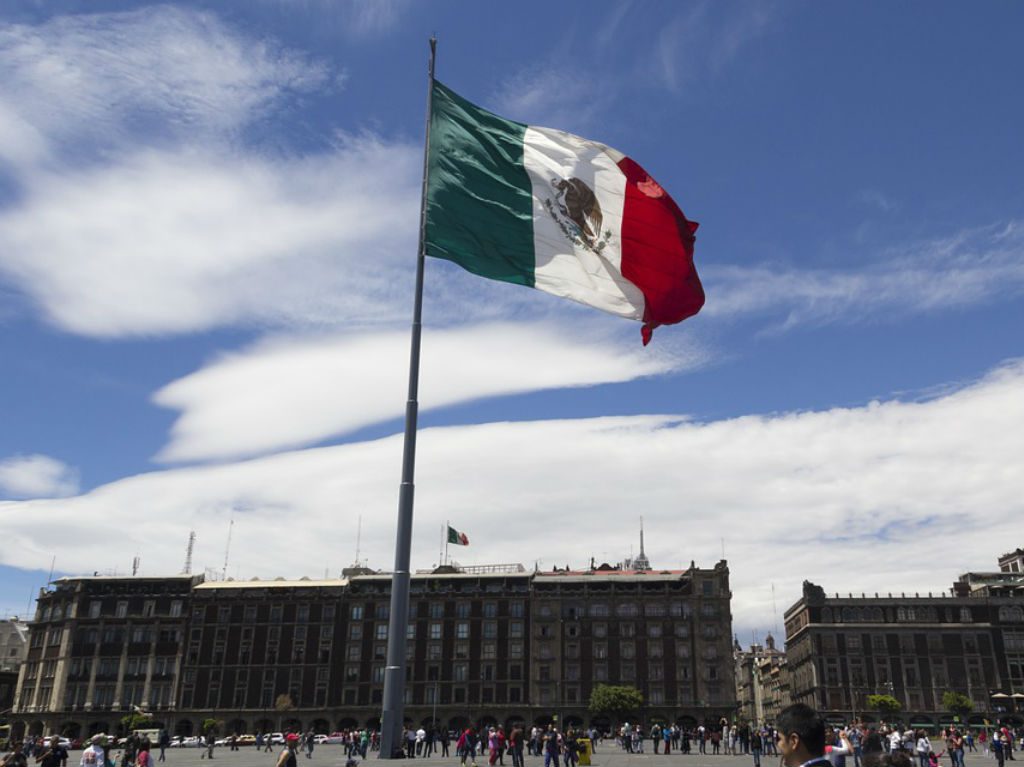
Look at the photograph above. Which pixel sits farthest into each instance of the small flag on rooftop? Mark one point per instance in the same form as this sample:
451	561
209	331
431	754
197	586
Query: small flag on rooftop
556	212
459	539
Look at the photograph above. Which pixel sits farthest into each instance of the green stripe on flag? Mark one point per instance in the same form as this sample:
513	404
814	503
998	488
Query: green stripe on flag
479	196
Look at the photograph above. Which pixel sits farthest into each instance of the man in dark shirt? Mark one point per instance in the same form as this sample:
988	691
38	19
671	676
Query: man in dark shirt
54	756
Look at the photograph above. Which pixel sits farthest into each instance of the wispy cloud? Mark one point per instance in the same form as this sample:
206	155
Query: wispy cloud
835	478
704	38
86	82
960	270
171	242
289	392
37	476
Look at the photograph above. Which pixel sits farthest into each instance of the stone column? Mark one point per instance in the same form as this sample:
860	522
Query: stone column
60	677
150	667
122	667
91	690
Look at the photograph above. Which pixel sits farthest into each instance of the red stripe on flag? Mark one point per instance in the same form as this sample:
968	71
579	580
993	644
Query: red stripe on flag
657	251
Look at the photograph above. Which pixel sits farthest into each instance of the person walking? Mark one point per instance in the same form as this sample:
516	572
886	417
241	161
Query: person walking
755	748
287	757
163	741
552	746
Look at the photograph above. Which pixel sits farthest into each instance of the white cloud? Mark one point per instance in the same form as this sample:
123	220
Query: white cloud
155	73
290	392
37	476
168	242
961	270
848	498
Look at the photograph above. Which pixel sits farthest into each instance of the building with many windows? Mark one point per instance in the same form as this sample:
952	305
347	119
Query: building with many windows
762	682
840	649
486	644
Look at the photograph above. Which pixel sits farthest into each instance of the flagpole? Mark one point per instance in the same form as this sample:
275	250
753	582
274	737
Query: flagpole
392	715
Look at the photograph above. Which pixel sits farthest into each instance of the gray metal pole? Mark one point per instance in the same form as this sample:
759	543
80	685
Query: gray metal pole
392	716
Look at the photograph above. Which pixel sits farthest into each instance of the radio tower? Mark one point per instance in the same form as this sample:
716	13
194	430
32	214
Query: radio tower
188	552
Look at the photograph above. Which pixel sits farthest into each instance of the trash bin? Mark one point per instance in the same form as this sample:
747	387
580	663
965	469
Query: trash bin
585	750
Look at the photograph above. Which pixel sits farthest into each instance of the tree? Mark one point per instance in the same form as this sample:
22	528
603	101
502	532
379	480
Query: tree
957	703
136	721
617	700
885	705
212	726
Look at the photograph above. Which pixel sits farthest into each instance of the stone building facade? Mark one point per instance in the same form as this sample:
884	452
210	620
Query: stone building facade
489	644
840	649
762	682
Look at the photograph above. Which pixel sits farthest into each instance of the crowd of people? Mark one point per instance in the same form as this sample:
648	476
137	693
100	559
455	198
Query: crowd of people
864	744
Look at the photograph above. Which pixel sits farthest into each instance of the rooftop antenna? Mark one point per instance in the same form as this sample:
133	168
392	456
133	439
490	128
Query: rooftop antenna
359	537
135	565
723	548
187	570
53	562
227	548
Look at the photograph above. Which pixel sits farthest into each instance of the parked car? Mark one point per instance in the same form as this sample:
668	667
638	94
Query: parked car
277	738
334	738
319	739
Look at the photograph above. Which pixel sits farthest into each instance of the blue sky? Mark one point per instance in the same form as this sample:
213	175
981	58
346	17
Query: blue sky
207	233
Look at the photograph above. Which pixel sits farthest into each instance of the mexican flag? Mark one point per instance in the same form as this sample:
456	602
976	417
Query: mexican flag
459	539
556	212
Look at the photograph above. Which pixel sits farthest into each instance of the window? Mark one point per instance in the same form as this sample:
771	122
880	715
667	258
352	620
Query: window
654	609
489	650
600	672
460	672
708	588
356	613
627	610
383	611
516	609
599	610
462	630
380	651
545	673
682	630
515	649
654	629
462	609
627	630
627	650
94	609
276	613
223	614
434	651
490	609
462	650
327	613
654	648
122	610
600	630
628	670
600	650
490	629
436	610
378	674
355	631
515	629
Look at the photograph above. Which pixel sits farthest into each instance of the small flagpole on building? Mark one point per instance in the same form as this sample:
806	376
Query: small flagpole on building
392	715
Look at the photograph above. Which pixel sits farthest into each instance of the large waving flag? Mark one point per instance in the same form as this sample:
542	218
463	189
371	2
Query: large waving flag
556	212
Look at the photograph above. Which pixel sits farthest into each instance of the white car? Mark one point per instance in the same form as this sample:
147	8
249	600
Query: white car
277	738
319	739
